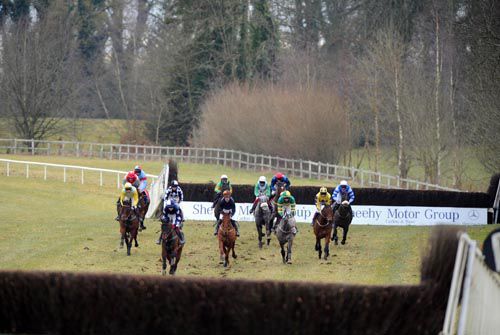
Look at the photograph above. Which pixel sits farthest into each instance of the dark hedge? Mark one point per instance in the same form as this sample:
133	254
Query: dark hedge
364	196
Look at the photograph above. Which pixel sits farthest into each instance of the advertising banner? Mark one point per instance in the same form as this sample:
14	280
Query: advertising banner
365	214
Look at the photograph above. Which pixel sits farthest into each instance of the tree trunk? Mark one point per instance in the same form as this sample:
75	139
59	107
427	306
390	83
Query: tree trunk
438	69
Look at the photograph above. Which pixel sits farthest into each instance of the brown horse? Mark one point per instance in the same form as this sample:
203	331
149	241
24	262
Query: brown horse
323	225
129	226
171	248
280	187
142	209
227	238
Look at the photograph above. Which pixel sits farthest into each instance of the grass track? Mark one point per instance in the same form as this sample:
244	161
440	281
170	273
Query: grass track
52	226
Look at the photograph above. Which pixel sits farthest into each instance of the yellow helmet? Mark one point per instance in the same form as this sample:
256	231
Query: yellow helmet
128	186
323	190
286	194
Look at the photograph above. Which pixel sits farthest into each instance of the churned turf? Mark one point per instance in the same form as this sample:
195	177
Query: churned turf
47	225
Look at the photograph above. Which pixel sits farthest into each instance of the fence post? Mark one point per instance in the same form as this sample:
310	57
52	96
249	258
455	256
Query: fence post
32	146
15	146
48	148
45	172
82	176
27	170
64	174
100	178
8	169
117	180
91	150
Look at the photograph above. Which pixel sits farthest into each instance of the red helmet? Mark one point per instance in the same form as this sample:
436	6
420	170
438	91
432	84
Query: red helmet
279	175
131	177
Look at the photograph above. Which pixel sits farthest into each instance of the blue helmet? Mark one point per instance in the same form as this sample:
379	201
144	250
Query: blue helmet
170	206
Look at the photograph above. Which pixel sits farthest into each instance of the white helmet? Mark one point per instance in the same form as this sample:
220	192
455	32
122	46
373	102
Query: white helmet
262	179
343	183
223	177
128	186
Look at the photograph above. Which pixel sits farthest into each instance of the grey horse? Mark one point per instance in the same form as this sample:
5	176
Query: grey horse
285	232
262	216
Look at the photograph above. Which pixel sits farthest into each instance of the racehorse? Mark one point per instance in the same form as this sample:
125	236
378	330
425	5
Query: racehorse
285	232
171	248
280	187
227	238
142	209
342	218
262	216
129	225
323	229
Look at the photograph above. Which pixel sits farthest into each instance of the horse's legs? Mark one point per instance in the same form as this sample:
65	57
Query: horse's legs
134	237
226	256
259	233
122	240
335	237
318	246
327	246
128	239
164	261
234	253
344	236
289	251
221	252
283	253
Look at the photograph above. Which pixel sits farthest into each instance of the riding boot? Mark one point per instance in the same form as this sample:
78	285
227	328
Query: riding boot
159	240
253	207
180	234
236	227
118	208
335	207
142	226
314	219
217	227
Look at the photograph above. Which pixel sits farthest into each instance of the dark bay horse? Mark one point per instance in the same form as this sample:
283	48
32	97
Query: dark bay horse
227	238
129	226
342	218
285	233
280	187
262	216
142	209
323	225
171	248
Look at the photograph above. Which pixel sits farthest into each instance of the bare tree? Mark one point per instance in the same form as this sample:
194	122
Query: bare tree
40	72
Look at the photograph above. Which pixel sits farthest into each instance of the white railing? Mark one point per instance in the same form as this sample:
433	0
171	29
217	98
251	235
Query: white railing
70	173
226	157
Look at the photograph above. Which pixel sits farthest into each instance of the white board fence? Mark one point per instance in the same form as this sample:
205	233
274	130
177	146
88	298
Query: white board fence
226	157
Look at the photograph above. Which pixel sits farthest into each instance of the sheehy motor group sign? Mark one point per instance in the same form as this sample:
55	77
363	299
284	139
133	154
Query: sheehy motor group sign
368	215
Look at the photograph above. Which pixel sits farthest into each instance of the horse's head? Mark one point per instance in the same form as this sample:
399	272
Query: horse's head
344	208
166	230
280	186
126	210
226	215
327	212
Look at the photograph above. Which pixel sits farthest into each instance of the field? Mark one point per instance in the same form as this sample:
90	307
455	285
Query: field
53	226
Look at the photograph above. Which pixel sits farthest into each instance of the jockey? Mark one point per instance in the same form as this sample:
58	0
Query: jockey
281	177
322	198
341	191
128	193
131	177
227	203
143	182
172	214
223	185
261	187
174	192
286	200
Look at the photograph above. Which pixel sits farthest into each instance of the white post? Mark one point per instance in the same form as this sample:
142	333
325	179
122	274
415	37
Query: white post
32	147
27	171
77	149
15	146
100	178
8	169
45	172
82	176
64	174
117	180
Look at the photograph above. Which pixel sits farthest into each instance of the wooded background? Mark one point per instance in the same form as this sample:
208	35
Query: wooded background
307	79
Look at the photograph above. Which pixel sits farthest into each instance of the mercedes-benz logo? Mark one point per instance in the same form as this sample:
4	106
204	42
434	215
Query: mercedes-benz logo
473	215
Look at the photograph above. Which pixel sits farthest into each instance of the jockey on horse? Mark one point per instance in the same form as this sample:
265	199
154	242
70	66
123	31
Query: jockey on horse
286	200
340	192
279	177
323	198
223	185
143	182
174	192
227	203
171	214
262	187
129	192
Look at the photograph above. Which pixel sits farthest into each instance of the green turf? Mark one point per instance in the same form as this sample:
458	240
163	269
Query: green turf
47	225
